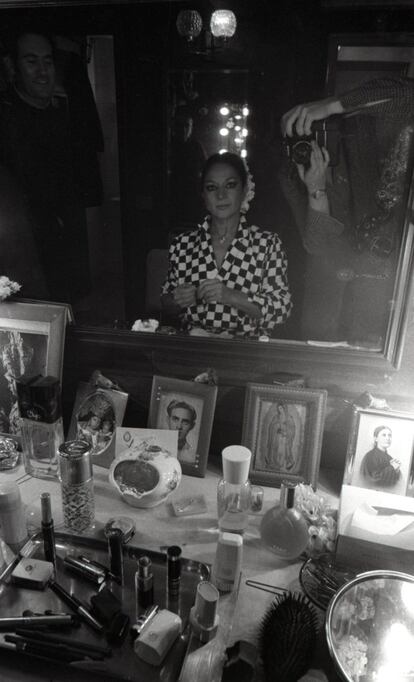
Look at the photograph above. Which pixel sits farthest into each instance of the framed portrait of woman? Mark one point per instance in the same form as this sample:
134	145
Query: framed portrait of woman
380	451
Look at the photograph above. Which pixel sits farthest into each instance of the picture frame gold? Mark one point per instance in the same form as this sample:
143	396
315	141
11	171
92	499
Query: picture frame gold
283	428
191	405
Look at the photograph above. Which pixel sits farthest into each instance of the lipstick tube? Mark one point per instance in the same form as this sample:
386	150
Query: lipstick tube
85	570
173	571
144	583
48	531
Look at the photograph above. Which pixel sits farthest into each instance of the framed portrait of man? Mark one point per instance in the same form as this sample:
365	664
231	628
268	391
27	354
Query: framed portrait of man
188	408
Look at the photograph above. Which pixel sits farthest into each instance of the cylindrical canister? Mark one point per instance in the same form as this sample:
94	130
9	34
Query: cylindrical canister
12	519
76	478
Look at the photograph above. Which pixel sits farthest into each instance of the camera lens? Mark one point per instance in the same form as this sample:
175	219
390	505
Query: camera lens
301	152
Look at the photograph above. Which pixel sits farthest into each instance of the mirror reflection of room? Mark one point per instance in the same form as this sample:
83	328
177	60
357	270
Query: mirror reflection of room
167	105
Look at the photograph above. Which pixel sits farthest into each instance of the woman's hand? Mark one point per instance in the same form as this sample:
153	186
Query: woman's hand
314	177
213	291
299	119
184	295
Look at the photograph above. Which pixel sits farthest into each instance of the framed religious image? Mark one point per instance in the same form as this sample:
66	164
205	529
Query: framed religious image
187	407
380	451
283	428
32	337
96	414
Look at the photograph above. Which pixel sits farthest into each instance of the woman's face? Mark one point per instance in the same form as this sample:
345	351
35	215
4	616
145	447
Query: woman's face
383	439
223	191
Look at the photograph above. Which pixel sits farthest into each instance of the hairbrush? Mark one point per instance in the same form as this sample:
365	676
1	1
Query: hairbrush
287	638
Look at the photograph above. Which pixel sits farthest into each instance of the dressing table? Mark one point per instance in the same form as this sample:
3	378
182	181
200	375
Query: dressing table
157	528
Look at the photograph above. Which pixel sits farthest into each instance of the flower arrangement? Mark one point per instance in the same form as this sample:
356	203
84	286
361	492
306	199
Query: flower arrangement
8	287
250	190
320	517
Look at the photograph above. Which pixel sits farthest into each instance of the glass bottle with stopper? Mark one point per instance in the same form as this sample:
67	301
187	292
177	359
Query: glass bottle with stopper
234	490
283	528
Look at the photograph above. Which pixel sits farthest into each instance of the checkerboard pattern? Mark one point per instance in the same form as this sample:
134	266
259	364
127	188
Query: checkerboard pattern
254	264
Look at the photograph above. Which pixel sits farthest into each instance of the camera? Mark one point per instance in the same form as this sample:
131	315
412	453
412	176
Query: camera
326	134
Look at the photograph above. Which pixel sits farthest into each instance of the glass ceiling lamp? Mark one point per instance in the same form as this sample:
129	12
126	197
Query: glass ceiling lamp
189	24
223	23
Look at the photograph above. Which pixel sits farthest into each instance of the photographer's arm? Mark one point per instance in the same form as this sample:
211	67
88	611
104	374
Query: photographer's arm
390	97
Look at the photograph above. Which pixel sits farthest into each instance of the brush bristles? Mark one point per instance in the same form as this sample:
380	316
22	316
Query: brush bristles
288	638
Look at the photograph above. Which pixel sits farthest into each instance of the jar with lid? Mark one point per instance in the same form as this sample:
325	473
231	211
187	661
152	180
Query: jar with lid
76	478
283	528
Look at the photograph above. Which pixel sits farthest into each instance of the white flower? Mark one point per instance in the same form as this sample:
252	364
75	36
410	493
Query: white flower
8	287
250	190
145	326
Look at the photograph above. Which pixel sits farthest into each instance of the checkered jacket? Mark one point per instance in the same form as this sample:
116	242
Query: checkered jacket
254	264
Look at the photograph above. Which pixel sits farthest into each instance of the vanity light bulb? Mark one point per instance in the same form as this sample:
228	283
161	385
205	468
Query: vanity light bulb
245	132
398	648
222	151
237	128
238	140
243	153
224	132
245	111
224	111
238	116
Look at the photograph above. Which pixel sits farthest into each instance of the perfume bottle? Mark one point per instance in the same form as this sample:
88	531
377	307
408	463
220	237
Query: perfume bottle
234	490
41	424
283	528
76	478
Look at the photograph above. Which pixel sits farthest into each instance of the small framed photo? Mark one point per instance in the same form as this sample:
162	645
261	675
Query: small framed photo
187	407
380	451
283	427
97	413
32	338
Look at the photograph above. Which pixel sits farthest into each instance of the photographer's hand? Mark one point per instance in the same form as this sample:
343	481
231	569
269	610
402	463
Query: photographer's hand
314	177
299	119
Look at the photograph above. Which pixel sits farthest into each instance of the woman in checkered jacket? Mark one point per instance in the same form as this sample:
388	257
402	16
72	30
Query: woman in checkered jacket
226	277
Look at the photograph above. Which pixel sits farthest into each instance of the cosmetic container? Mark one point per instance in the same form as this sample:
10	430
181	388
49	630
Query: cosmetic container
12	518
41	424
283	528
144	584
234	490
48	531
76	478
226	567
9	454
115	538
173	571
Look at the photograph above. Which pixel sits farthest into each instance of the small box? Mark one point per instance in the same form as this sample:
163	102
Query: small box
32	573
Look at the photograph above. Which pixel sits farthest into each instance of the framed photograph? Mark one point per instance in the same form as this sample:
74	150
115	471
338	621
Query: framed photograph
32	339
97	413
283	427
380	451
187	407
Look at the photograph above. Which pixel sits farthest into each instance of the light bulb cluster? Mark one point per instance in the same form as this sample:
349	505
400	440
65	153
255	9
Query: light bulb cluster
223	24
233	128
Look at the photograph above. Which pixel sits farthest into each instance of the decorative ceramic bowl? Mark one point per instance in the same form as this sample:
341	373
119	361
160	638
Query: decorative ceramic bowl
145	475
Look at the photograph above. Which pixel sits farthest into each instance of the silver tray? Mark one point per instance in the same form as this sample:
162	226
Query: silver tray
124	663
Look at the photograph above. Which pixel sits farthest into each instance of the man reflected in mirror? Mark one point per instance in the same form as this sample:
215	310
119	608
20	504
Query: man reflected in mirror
38	142
350	213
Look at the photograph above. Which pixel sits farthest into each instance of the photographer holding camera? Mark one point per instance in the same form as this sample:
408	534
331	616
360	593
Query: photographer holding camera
344	185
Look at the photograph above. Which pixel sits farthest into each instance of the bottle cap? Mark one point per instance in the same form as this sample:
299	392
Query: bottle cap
10	498
75	462
203	615
236	463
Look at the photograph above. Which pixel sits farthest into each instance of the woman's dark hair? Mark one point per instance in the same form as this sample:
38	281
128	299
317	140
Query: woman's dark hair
229	159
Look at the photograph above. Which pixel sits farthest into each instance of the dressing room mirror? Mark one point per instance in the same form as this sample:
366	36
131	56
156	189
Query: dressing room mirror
370	627
147	86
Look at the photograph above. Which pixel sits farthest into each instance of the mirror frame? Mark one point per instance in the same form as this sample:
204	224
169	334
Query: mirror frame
276	350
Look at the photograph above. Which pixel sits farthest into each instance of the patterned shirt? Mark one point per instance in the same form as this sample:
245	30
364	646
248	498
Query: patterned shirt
254	264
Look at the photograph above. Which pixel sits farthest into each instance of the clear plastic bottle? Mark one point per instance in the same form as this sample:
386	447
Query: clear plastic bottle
283	528
234	490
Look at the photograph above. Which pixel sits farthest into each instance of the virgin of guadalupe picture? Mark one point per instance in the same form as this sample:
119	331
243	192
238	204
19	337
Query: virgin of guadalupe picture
280	445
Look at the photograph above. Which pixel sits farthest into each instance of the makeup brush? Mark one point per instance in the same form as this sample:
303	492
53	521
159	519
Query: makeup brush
287	638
